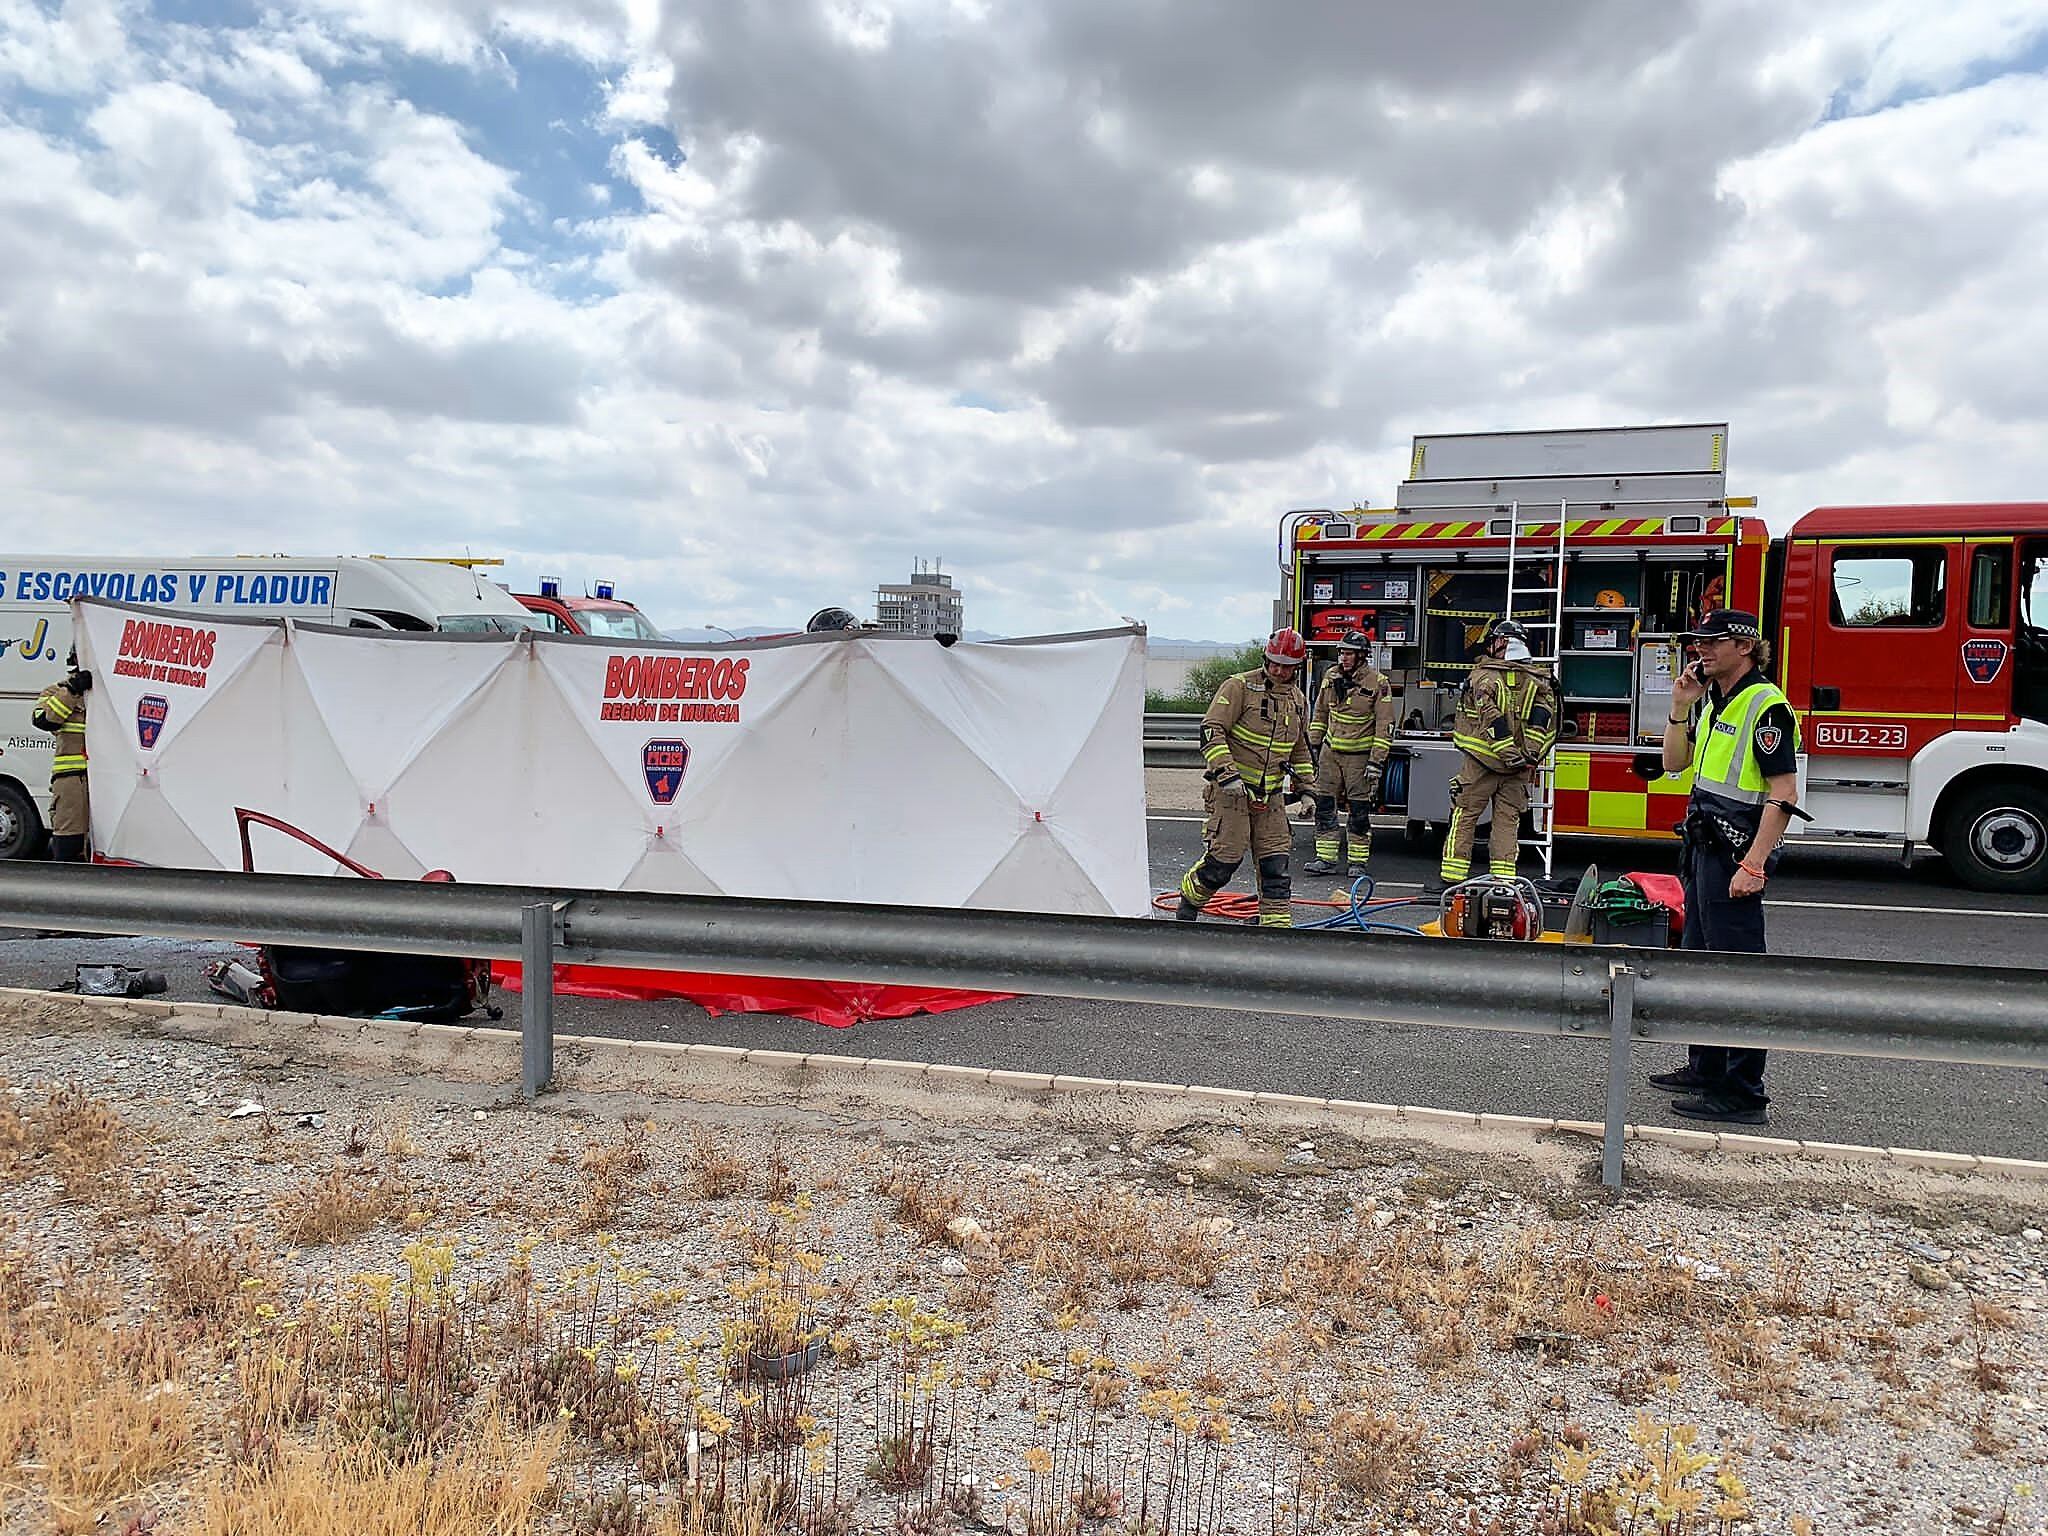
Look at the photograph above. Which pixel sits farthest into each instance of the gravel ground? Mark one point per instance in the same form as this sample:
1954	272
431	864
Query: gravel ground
1868	1351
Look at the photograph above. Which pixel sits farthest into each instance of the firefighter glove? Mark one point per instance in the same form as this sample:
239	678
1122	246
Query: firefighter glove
1231	787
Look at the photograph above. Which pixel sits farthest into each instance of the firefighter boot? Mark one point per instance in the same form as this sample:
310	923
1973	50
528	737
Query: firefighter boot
1276	891
1360	839
1329	840
1186	912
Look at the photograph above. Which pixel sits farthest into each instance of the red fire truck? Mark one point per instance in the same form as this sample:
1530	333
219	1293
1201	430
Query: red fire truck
604	614
1912	640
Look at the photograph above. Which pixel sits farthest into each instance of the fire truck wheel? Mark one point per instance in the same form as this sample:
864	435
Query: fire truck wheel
21	829
1995	837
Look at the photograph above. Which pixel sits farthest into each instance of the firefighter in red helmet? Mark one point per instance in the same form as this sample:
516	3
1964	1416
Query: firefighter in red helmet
1255	742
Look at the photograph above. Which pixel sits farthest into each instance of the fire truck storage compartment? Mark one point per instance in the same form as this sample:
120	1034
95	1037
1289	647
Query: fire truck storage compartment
1460	601
1380	584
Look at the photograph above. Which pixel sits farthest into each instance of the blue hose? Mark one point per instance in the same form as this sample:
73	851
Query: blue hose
1354	917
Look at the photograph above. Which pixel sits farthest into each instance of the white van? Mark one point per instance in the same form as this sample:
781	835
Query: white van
358	591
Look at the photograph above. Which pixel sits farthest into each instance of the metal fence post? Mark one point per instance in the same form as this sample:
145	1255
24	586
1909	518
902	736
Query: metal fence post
1621	1024
537	997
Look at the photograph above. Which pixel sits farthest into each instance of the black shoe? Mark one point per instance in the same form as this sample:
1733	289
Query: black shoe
1718	1106
1186	912
1319	867
1684	1080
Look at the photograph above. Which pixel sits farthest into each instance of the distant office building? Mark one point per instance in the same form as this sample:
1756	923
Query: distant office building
927	604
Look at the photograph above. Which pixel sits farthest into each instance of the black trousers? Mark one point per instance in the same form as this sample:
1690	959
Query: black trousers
1714	920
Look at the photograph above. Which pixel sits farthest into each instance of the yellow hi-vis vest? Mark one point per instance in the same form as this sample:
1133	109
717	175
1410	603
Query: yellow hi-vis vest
1724	750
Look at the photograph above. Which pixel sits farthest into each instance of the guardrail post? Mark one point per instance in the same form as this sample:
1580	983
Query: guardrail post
537	997
1621	1024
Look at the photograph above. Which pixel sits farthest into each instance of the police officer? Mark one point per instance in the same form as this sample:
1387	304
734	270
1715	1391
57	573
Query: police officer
1254	739
1505	726
1734	729
1350	733
60	710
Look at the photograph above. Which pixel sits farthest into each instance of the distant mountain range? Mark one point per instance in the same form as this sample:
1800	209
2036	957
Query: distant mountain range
755	631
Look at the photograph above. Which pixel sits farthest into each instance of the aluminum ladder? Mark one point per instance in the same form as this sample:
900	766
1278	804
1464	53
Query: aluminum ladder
1527	556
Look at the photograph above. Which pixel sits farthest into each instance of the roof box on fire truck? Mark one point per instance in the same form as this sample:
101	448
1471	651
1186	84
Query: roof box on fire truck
1595	466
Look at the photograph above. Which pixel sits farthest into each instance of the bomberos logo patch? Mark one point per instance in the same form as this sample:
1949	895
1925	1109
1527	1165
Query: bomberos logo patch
151	711
663	764
1984	659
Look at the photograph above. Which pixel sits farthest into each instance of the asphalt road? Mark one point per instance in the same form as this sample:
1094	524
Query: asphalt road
1834	901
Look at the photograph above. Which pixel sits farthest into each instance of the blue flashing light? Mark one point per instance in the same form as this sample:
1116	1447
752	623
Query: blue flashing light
604	591
551	586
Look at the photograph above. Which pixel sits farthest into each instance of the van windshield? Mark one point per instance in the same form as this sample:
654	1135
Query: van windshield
617	624
487	623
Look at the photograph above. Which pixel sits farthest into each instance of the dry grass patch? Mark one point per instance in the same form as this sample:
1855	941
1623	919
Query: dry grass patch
497	1480
342	1204
89	1415
925	1202
716	1172
608	1170
70	1134
1116	1241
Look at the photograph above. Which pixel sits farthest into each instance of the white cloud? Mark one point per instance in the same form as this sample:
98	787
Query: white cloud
80	46
175	150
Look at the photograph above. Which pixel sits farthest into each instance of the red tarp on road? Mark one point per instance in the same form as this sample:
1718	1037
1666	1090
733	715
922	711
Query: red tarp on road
837	1003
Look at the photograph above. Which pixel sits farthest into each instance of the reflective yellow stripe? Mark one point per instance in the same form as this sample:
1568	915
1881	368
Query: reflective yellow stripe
54	707
67	765
1252	738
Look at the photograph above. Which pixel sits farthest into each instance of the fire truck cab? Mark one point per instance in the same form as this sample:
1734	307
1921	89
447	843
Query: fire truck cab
1914	644
1910	639
602	614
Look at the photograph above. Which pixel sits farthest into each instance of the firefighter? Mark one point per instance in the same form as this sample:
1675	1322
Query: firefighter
1255	740
1350	733
60	710
1505	726
1732	726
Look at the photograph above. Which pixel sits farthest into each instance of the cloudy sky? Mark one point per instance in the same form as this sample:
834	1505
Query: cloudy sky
746	303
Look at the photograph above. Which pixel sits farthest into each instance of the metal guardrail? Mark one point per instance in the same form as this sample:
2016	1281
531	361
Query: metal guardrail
1967	1015
1173	741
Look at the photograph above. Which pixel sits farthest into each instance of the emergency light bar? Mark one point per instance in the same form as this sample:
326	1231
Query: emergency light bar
551	586
604	591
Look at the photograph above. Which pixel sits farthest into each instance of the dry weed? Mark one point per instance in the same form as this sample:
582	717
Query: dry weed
335	1208
90	1414
714	1170
608	1169
497	1481
925	1203
203	1276
1115	1241
71	1135
1370	1453
779	1183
